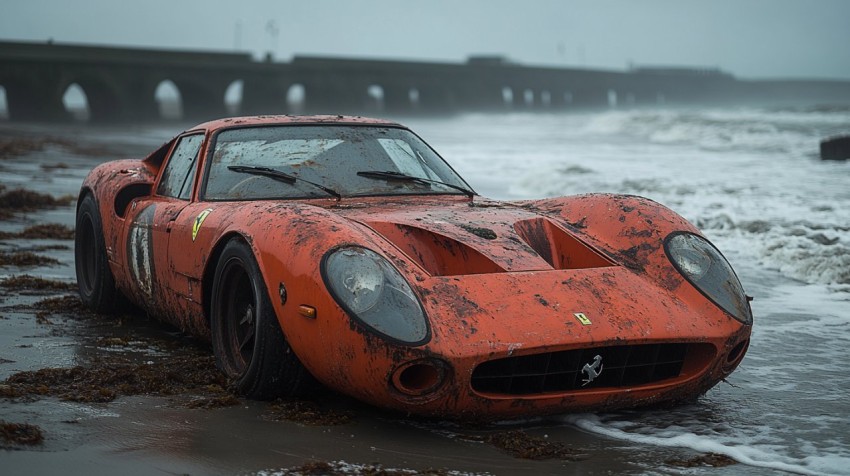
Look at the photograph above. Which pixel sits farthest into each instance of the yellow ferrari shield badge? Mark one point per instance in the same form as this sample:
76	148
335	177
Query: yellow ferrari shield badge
585	321
199	221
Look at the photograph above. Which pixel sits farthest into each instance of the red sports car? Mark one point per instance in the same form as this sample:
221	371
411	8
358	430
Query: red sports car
345	249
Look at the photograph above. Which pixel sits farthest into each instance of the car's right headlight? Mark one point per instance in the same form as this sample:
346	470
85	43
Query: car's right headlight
704	267
374	293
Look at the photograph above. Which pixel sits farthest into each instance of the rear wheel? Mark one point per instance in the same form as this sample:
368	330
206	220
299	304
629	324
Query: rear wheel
94	278
249	345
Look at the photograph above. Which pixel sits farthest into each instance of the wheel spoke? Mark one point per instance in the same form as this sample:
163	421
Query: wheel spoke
248	317
247	339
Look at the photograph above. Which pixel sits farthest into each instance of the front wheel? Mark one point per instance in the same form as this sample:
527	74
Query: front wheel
249	345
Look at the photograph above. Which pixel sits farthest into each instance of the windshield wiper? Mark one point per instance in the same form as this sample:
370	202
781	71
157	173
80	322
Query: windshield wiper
280	177
388	175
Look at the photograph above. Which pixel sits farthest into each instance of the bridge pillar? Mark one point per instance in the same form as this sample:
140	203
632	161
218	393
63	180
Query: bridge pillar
201	102
334	97
34	98
437	98
482	97
264	95
590	97
139	97
397	99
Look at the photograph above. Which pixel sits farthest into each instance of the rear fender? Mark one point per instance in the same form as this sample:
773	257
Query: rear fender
114	185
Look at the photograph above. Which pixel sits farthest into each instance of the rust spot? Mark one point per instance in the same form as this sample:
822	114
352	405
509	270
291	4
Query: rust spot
581	224
637	257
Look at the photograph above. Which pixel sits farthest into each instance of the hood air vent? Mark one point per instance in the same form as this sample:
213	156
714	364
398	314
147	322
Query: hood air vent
438	254
560	249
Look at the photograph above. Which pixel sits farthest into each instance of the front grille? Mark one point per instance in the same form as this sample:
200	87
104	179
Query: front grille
621	366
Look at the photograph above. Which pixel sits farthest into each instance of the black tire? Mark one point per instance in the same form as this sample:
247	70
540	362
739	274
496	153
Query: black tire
249	345
95	281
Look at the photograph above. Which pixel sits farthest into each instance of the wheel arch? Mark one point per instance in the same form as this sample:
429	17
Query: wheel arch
84	190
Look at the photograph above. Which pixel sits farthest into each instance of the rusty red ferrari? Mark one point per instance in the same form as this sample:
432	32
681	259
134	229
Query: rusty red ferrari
345	250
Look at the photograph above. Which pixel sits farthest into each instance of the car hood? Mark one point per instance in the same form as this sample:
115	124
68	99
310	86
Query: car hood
462	238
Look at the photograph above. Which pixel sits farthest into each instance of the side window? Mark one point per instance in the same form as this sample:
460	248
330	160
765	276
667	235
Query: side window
179	174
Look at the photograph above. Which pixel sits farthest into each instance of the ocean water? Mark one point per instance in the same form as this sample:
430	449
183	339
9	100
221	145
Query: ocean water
752	181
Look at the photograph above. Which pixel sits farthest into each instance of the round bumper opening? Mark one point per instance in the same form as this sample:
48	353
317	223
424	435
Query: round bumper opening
736	354
419	377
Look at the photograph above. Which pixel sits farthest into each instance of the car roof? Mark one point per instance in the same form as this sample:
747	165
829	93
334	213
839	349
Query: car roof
287	119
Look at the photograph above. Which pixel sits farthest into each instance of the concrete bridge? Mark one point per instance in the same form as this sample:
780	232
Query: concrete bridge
124	84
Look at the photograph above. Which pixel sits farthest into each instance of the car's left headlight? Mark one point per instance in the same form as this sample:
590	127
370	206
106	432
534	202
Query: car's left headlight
374	293
704	267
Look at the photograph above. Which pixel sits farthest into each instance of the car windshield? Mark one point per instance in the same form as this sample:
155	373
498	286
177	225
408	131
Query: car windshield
272	162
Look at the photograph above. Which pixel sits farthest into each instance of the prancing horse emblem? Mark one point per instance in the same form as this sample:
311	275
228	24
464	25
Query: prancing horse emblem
592	370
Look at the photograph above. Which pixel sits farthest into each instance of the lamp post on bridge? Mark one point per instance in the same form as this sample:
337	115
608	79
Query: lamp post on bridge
273	30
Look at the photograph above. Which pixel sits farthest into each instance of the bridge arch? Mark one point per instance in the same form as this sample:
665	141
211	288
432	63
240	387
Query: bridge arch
76	103
528	97
545	98
169	100
4	104
413	97
89	98
296	98
190	98
375	98
612	98
233	97
508	97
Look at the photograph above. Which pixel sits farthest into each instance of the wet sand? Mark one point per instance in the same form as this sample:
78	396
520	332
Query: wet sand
130	395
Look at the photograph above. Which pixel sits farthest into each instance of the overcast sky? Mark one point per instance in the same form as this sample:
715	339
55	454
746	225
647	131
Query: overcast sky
750	38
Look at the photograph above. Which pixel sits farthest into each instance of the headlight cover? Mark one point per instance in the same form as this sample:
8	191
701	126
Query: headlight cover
374	293
704	267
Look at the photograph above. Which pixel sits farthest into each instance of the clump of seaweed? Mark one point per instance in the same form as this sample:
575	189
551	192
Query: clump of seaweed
104	381
306	412
68	305
16	146
341	467
21	199
113	342
47	231
312	468
520	444
34	283
26	259
709	459
56	166
21	433
207	403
